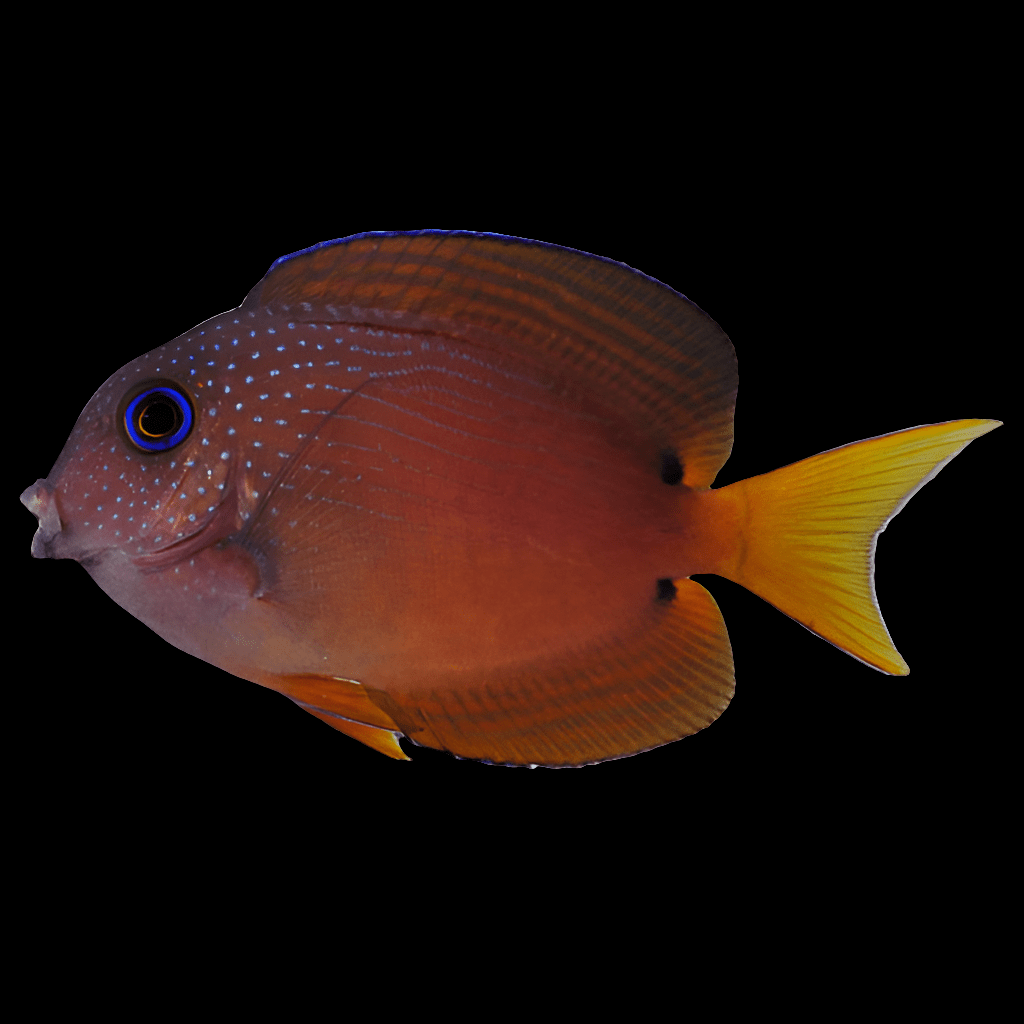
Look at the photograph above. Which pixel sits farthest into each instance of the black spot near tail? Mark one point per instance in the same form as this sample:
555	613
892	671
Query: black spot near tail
665	590
671	467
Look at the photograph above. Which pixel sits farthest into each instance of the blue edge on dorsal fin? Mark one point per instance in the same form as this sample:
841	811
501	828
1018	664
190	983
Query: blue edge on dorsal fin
469	234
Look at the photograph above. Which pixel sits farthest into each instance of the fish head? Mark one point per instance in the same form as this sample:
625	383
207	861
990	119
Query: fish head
147	473
167	470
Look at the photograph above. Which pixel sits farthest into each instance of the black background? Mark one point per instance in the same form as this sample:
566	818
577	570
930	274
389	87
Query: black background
854	311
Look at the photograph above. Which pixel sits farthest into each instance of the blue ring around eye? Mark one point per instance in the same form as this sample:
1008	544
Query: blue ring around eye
158	444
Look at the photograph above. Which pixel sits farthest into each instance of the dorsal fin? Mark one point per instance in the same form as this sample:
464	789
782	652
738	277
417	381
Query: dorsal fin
624	334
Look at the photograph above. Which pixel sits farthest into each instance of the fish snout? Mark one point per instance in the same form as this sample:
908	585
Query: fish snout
39	500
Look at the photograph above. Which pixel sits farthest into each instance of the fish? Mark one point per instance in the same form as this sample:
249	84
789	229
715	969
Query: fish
453	486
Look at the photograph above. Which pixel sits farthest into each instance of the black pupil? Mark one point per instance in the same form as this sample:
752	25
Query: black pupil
158	417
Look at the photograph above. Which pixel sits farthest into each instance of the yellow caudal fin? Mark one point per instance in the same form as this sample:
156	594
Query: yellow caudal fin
808	531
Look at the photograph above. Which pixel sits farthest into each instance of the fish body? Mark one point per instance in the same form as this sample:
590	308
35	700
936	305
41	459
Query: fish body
453	486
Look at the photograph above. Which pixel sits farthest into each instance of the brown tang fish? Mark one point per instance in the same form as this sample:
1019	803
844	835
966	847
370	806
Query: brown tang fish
453	486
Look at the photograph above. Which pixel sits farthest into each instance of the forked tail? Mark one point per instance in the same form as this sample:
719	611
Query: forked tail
807	532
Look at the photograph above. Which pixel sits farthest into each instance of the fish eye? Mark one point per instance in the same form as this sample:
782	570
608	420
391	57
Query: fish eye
157	417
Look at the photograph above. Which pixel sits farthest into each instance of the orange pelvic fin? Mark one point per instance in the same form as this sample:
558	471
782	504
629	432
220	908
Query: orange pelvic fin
382	740
807	532
345	706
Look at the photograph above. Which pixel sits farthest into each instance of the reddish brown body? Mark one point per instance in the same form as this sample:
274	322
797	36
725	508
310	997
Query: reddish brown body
425	491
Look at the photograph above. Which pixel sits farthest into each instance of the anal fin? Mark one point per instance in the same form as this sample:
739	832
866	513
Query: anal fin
635	692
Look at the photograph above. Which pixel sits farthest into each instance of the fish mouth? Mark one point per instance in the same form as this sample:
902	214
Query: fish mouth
52	541
49	535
